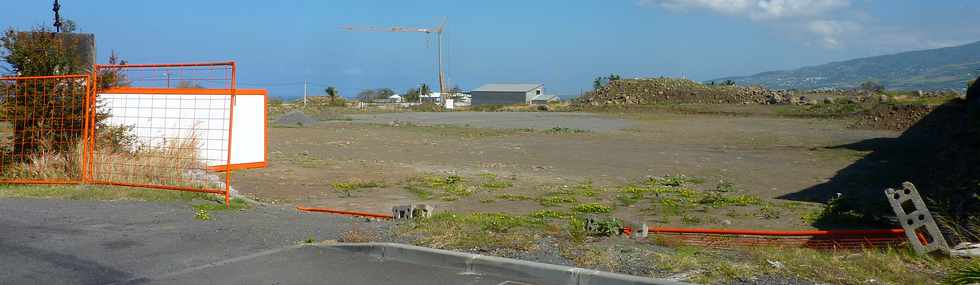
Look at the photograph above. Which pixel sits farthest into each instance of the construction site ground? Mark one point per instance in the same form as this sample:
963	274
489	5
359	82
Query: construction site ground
515	162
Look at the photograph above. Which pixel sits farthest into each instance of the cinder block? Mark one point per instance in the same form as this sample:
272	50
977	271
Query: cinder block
915	218
592	224
640	231
423	211
401	212
412	211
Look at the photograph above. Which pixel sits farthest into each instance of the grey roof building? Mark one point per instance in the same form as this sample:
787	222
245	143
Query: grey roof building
506	94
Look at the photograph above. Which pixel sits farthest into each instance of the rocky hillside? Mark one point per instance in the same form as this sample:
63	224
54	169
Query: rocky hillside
934	69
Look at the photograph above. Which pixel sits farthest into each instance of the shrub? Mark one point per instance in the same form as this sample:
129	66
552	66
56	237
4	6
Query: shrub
53	131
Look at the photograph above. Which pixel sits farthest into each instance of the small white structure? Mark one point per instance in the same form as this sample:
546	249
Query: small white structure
434	97
544	99
390	99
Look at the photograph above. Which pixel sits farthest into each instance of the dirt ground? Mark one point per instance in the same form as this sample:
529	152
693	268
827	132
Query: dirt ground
514	160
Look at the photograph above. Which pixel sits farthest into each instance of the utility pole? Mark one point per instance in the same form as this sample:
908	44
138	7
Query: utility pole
304	93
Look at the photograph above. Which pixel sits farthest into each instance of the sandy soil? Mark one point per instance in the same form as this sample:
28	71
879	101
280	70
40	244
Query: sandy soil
764	156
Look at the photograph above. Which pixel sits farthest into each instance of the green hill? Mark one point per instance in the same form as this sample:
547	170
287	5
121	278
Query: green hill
942	68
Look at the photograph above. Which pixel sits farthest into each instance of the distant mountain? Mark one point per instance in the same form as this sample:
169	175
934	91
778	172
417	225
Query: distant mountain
942	68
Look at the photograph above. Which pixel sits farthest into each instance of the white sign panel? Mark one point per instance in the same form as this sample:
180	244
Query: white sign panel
159	115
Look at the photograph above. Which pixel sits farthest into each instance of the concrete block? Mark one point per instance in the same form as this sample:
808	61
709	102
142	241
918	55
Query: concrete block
422	210
401	212
916	219
412	211
641	231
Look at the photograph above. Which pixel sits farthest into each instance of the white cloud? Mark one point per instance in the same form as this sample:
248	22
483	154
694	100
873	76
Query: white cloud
755	9
831	31
826	23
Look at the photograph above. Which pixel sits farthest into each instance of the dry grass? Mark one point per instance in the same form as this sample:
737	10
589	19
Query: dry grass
176	162
168	164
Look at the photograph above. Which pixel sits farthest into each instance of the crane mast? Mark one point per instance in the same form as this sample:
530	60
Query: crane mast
437	31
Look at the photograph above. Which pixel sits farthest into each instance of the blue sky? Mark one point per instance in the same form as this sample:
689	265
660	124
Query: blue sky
561	43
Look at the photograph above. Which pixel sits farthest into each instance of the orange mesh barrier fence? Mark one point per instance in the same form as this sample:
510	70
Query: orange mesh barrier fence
163	126
833	239
43	128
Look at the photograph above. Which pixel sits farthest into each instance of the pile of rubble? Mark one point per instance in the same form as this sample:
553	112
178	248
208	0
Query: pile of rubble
892	117
672	90
663	90
295	118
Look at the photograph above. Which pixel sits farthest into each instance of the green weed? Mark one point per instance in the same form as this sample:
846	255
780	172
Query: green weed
592	208
513	197
349	187
202	215
551	201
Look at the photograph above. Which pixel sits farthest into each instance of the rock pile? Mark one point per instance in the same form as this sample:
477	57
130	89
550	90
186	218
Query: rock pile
295	118
892	117
663	90
672	90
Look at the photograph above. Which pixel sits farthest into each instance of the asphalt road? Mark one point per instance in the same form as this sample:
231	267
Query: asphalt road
93	242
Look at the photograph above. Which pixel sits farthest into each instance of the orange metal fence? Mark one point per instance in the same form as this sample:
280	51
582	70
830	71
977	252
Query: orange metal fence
165	126
819	239
44	121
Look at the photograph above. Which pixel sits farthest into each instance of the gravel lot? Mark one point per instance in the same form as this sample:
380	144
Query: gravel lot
502	120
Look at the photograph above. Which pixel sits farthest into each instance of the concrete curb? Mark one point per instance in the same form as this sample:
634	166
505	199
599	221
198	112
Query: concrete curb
496	266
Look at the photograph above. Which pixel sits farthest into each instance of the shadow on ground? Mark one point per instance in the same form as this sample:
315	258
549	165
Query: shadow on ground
938	154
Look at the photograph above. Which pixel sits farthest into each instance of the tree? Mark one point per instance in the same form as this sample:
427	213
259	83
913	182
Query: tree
183	84
384	93
412	95
369	95
52	130
872	87
728	82
600	81
331	93
424	90
39	52
113	77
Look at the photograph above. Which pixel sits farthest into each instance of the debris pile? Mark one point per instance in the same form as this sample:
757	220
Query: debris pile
892	117
664	90
673	90
295	118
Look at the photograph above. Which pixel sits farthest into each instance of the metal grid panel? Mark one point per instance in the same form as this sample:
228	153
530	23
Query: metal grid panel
44	121
167	140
